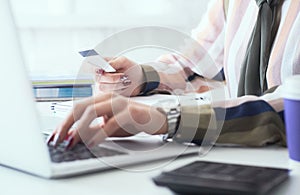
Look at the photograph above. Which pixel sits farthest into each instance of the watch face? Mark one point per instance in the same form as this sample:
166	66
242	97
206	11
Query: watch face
174	101
168	103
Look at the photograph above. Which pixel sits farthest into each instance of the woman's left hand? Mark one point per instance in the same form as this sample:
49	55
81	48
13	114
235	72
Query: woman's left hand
127	80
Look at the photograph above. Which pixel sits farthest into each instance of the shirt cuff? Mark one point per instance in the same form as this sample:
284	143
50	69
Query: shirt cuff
151	79
195	121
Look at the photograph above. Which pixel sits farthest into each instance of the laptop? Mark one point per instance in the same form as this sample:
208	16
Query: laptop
23	145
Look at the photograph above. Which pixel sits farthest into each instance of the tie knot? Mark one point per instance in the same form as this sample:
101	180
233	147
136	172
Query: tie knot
271	3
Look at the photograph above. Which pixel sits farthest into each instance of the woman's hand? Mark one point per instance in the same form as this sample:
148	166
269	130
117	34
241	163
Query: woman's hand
127	80
121	117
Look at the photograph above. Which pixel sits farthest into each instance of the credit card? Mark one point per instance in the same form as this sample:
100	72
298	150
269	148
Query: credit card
97	60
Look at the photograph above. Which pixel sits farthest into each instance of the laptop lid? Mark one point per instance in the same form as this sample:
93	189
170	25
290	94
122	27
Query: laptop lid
22	145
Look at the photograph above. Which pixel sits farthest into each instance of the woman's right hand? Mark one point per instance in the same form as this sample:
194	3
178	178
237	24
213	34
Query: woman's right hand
121	117
127	80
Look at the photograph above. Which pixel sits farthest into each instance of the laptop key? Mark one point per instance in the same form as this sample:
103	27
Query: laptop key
56	158
79	152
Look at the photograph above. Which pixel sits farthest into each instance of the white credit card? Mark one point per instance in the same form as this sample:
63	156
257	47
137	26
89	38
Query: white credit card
95	59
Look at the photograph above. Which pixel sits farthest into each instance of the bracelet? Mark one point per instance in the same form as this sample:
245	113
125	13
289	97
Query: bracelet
152	79
173	118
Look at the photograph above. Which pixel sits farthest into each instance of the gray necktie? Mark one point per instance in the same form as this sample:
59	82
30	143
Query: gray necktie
253	70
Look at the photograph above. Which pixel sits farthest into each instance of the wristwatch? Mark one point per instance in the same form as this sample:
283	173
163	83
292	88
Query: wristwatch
173	118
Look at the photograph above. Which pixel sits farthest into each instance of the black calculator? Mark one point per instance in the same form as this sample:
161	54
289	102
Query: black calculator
204	177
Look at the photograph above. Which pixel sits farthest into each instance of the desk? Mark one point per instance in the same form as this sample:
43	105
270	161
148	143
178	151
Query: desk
124	182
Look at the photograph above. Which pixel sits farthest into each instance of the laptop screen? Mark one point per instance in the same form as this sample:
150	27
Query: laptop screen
19	119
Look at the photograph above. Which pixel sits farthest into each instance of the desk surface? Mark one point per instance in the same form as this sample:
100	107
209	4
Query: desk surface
128	182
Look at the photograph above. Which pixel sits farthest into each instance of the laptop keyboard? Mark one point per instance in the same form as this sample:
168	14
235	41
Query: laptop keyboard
60	154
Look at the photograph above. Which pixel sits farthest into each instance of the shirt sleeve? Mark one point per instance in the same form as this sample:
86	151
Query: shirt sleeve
203	55
247	121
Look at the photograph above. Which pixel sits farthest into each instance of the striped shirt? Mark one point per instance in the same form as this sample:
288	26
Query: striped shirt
249	120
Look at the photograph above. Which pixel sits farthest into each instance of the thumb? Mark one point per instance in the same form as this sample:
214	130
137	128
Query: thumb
120	63
109	58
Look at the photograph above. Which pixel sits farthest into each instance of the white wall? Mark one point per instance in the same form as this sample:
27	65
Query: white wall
53	31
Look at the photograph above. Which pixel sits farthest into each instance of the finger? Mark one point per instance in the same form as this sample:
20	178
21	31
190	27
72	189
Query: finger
106	131
76	113
111	77
119	63
73	139
108	87
111	106
99	72
50	138
202	89
84	127
109	109
87	118
109	58
105	119
76	136
113	82
99	137
84	131
62	130
118	125
95	110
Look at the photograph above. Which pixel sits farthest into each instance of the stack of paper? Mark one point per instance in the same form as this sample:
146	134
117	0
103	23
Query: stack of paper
61	109
61	88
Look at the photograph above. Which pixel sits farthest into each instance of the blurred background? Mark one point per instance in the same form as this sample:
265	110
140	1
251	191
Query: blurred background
53	31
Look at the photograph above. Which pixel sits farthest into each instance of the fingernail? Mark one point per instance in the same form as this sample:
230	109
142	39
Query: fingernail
99	71
56	139
50	138
70	143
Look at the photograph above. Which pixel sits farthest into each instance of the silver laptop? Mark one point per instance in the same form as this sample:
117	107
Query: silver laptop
23	145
